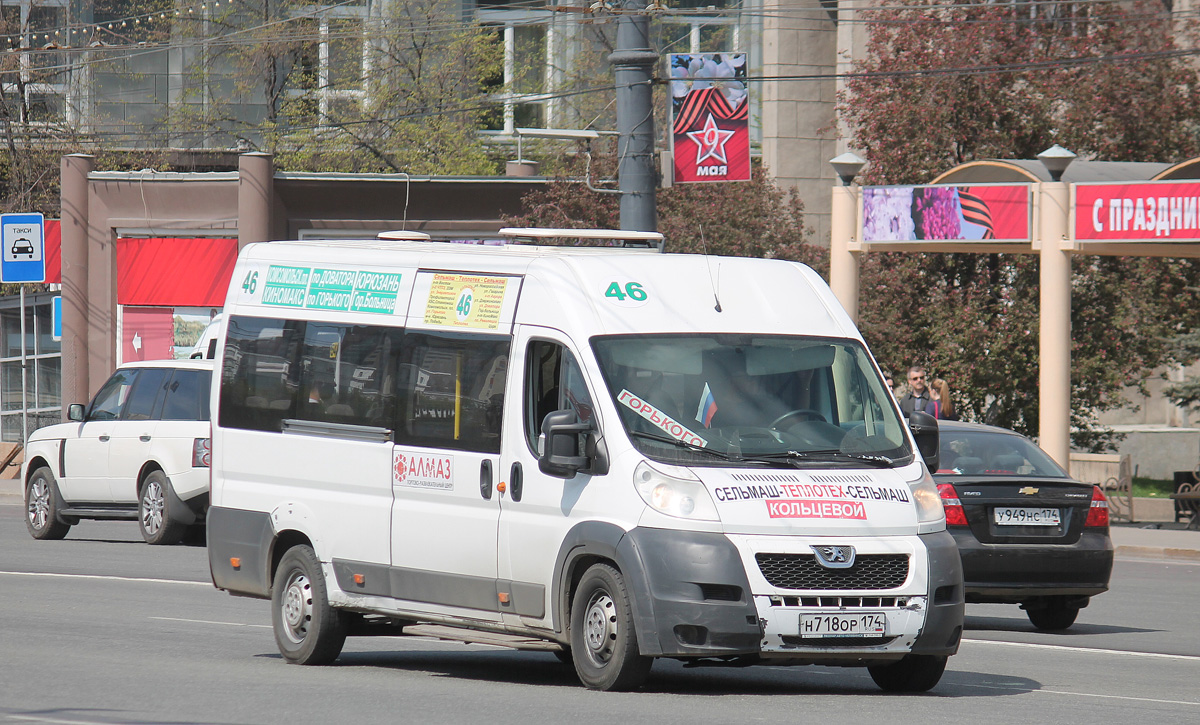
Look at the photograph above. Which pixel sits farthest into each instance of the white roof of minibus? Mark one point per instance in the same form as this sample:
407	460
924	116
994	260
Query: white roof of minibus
571	288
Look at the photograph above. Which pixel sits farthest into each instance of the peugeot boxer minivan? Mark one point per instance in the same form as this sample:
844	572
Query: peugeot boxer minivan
610	453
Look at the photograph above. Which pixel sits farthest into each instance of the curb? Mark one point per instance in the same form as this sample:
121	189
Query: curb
1157	552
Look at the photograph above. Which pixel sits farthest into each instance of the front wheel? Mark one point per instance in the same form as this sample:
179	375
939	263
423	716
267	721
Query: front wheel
1056	616
307	630
603	642
154	511
914	673
41	507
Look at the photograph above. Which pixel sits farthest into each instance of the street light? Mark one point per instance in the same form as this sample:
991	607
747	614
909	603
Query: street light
1056	159
847	166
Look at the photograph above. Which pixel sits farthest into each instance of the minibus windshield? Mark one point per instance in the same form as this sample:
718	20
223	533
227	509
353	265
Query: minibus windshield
752	400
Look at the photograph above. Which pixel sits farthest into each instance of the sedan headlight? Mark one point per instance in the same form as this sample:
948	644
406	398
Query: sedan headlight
928	501
675	491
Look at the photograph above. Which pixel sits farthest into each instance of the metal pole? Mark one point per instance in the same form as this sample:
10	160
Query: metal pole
24	392
633	64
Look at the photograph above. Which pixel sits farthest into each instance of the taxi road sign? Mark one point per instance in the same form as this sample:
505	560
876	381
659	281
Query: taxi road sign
22	248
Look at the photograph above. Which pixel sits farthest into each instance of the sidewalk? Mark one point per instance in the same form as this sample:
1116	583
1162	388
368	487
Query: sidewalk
1131	540
1170	542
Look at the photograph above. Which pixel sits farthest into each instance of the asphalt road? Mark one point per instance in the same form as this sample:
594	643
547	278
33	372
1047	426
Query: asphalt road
101	628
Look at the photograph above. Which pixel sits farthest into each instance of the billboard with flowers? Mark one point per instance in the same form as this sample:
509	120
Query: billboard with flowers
710	117
992	212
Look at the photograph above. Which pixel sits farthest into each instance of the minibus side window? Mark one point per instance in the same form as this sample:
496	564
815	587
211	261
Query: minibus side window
451	390
347	374
553	381
259	377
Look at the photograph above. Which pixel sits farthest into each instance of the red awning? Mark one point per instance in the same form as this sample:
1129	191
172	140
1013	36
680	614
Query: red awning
174	272
53	249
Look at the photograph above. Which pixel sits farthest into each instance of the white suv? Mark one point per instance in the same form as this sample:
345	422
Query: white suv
140	450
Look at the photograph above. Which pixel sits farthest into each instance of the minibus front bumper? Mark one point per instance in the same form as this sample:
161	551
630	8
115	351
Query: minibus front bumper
692	598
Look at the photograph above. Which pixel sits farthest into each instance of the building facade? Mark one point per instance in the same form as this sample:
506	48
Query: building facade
213	74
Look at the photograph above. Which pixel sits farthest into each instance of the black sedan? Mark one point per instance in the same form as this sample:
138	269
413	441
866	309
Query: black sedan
1027	532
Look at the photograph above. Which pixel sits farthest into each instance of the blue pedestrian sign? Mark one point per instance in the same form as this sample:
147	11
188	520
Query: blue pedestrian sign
22	248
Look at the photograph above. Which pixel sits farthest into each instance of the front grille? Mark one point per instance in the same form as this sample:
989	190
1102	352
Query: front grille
840	602
801	571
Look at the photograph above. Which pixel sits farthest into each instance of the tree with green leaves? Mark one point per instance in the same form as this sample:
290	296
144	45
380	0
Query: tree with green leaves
944	84
753	218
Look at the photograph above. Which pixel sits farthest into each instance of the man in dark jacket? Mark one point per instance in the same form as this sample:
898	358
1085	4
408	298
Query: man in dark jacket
917	396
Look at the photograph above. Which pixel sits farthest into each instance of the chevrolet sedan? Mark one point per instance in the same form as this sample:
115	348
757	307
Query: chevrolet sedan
1027	532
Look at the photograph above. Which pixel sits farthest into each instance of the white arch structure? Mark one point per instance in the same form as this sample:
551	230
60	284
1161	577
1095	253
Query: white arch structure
1122	199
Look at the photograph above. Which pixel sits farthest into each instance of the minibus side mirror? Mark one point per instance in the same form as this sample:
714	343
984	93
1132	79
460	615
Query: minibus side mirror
924	428
75	412
563	454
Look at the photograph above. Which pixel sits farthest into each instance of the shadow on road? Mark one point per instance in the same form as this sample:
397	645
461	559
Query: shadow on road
1014	624
672	677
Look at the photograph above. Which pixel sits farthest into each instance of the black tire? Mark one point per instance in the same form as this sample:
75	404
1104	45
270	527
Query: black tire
307	630
603	642
41	507
1056	616
914	673
154	511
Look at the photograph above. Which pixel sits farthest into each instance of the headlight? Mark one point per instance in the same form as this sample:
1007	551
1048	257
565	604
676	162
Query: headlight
928	500
675	491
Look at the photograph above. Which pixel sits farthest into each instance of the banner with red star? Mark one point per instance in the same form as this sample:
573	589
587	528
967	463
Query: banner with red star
710	117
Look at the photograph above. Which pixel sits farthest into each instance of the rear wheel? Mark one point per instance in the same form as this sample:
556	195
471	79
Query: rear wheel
154	511
307	630
41	507
603	641
914	673
1056	615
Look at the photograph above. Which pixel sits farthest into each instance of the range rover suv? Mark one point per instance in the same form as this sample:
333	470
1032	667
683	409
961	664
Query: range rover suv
139	451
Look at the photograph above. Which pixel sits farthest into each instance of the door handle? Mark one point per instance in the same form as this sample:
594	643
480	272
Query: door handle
104	438
517	481
485	479
143	438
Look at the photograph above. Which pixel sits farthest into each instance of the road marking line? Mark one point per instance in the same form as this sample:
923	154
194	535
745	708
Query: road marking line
208	621
1089	650
108	578
55	721
1078	694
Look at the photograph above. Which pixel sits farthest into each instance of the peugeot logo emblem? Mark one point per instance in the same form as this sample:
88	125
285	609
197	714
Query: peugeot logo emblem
834	557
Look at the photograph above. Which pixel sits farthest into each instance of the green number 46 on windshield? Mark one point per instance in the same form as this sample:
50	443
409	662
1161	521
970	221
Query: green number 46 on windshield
632	290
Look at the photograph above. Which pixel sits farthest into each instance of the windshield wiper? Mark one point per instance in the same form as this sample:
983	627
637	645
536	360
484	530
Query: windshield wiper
689	446
825	455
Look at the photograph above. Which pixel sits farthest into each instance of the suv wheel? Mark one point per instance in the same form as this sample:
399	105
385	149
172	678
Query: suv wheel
41	506
154	512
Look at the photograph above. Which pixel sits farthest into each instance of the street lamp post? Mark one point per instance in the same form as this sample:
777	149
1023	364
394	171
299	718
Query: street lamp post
843	263
1054	331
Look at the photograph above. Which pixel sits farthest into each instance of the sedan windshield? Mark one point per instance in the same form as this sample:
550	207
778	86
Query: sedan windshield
769	400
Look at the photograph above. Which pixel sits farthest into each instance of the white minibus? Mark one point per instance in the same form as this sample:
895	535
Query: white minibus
605	452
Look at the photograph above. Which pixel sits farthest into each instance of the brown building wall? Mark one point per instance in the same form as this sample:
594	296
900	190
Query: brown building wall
252	204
